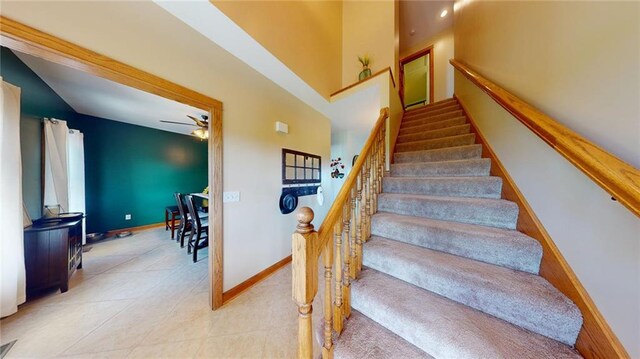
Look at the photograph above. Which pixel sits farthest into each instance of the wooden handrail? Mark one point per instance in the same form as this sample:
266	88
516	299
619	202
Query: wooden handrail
325	231
365	80
615	176
339	241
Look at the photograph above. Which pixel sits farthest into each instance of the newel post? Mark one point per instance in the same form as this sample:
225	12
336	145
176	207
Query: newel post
304	255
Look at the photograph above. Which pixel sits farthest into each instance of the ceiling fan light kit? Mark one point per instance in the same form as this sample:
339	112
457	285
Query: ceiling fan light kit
201	133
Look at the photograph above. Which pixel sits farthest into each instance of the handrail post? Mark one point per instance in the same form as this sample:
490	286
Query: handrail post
304	255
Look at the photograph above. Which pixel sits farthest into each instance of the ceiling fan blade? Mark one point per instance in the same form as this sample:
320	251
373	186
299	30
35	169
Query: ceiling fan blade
199	122
178	123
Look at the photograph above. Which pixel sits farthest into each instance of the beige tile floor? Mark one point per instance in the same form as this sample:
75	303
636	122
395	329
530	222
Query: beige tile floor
143	297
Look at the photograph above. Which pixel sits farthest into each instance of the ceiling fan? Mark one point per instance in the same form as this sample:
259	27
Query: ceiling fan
203	123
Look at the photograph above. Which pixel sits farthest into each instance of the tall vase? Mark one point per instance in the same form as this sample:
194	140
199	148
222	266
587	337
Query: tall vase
366	72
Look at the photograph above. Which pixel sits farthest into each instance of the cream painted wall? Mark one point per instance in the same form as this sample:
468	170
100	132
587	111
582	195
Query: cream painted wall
305	35
363	102
442	70
256	235
578	62
368	27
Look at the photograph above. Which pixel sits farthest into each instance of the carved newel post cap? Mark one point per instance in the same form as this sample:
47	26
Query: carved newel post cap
304	217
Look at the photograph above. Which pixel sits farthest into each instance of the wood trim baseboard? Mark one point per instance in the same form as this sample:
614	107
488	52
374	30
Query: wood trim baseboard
134	229
26	39
596	339
259	277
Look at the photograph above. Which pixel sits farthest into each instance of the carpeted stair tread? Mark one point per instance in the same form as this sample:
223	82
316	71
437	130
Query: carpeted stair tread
436	110
363	338
455	168
432	106
520	298
451	141
478	186
434	126
440	154
442	327
419	120
488	212
502	247
438	133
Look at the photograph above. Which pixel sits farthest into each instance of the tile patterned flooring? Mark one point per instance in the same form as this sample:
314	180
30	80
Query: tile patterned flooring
143	297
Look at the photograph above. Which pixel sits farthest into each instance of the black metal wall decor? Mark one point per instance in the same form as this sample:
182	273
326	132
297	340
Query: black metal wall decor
298	168
336	168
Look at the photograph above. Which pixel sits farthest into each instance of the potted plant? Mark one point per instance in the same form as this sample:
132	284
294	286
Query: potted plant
366	71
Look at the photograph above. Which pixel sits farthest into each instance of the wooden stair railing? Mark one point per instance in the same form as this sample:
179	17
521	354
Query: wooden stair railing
339	242
615	176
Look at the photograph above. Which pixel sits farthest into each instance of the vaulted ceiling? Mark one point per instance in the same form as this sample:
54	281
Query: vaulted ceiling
91	95
420	20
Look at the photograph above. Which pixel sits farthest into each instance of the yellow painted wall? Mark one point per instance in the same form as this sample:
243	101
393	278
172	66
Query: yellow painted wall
576	61
305	35
579	63
368	27
442	70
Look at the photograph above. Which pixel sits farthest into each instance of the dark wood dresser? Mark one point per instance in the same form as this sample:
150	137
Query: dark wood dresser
52	253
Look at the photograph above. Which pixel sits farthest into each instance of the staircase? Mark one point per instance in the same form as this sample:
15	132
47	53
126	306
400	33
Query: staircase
446	275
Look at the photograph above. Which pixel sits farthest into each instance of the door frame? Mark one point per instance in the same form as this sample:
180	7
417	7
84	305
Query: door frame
428	50
28	40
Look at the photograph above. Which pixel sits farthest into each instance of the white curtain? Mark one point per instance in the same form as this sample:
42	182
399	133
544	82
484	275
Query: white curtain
56	181
12	274
75	162
64	170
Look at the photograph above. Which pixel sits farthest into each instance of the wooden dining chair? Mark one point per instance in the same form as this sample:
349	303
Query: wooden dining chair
185	221
198	237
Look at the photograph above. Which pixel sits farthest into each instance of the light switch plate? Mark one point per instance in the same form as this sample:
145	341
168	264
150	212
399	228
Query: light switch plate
230	197
127	217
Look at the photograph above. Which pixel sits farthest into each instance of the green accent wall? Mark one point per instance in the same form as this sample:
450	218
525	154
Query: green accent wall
135	170
37	100
128	169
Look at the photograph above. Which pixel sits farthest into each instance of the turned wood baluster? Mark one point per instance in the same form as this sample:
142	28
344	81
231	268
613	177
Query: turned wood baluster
346	239
327	348
359	224
384	156
374	182
304	244
354	216
382	163
337	304
367	199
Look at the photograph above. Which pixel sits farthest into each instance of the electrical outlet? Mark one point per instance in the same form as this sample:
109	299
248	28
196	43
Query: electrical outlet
127	217
230	197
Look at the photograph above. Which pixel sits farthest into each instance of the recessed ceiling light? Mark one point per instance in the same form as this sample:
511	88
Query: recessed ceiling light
444	13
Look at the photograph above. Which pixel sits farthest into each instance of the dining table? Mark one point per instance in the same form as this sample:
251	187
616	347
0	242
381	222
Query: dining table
203	211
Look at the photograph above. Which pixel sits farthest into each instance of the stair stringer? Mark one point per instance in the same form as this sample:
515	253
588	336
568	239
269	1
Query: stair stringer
596	339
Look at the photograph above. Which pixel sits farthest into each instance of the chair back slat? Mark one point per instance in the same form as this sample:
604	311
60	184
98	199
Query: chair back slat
193	212
181	207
